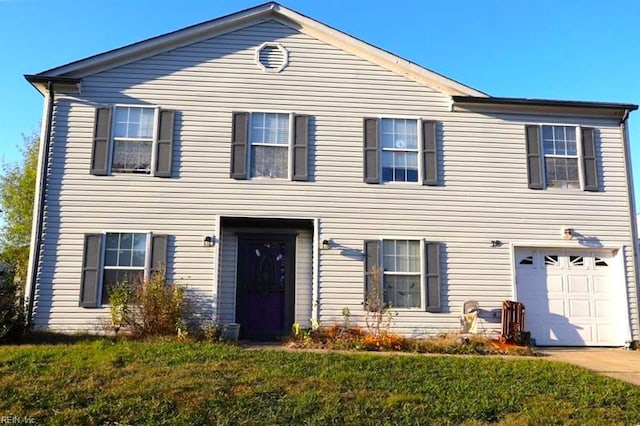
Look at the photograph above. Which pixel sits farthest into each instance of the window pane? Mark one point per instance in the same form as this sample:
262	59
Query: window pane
138	258
399	133
401	255
269	161
114	276
146	123
113	241
269	128
399	166
111	257
124	258
132	156
562	172
402	291
126	241
139	241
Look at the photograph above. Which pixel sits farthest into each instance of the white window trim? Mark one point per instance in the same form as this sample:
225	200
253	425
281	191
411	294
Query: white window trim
103	252
154	139
423	290
418	149
289	145
579	156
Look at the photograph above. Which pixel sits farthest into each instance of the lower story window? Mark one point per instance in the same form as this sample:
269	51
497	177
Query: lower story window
402	287
124	259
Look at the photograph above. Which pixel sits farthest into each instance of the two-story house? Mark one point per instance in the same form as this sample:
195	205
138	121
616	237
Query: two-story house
270	162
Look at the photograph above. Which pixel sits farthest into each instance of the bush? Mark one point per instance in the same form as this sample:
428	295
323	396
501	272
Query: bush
153	307
12	318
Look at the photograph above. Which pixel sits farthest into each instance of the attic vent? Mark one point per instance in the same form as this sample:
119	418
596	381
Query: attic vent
272	57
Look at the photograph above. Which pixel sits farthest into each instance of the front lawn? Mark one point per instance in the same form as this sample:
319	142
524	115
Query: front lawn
200	383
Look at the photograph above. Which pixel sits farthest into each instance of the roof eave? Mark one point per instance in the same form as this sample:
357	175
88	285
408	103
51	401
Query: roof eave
40	82
542	106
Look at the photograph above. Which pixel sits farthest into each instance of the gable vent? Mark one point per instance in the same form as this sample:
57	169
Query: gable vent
272	57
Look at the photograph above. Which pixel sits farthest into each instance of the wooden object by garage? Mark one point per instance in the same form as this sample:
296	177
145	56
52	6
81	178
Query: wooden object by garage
513	323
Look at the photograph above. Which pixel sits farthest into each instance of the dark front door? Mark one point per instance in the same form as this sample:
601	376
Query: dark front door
265	294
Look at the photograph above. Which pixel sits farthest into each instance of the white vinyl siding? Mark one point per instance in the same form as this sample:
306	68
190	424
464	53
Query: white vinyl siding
484	195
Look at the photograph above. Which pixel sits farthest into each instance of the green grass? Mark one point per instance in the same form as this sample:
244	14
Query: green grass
98	382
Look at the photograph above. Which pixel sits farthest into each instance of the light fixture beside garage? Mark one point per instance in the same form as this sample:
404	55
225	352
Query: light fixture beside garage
567	233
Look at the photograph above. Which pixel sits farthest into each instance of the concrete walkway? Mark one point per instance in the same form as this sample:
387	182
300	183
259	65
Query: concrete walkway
613	362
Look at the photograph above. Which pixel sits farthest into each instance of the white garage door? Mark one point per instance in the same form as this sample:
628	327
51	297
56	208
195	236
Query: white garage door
570	298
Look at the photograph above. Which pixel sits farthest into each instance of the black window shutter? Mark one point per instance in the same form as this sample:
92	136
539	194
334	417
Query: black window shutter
432	278
164	147
159	245
101	142
429	153
90	280
589	163
239	135
371	260
301	147
534	157
371	151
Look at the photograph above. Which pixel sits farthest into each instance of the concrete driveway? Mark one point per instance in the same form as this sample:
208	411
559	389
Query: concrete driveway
613	362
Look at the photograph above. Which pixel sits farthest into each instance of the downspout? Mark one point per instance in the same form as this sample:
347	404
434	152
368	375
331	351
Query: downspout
36	236
634	332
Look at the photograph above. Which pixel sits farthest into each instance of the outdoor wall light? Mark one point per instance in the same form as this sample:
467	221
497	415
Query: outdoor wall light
326	244
208	241
496	243
567	233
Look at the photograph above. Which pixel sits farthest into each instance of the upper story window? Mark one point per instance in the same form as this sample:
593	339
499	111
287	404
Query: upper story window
560	156
560	147
133	139
400	150
270	145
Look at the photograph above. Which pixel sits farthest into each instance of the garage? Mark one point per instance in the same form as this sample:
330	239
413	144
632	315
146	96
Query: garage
570	297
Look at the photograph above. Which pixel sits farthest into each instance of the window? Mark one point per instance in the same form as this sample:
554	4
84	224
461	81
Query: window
133	139
399	150
124	259
269	138
562	157
560	148
402	286
407	270
270	145
115	256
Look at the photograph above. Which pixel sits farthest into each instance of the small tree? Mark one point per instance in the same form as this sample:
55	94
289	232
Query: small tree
149	308
12	322
378	315
17	191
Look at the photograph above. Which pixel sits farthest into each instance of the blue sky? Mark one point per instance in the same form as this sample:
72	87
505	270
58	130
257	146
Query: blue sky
568	49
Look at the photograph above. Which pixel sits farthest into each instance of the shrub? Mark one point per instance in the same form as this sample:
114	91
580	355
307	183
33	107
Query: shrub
153	307
12	318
